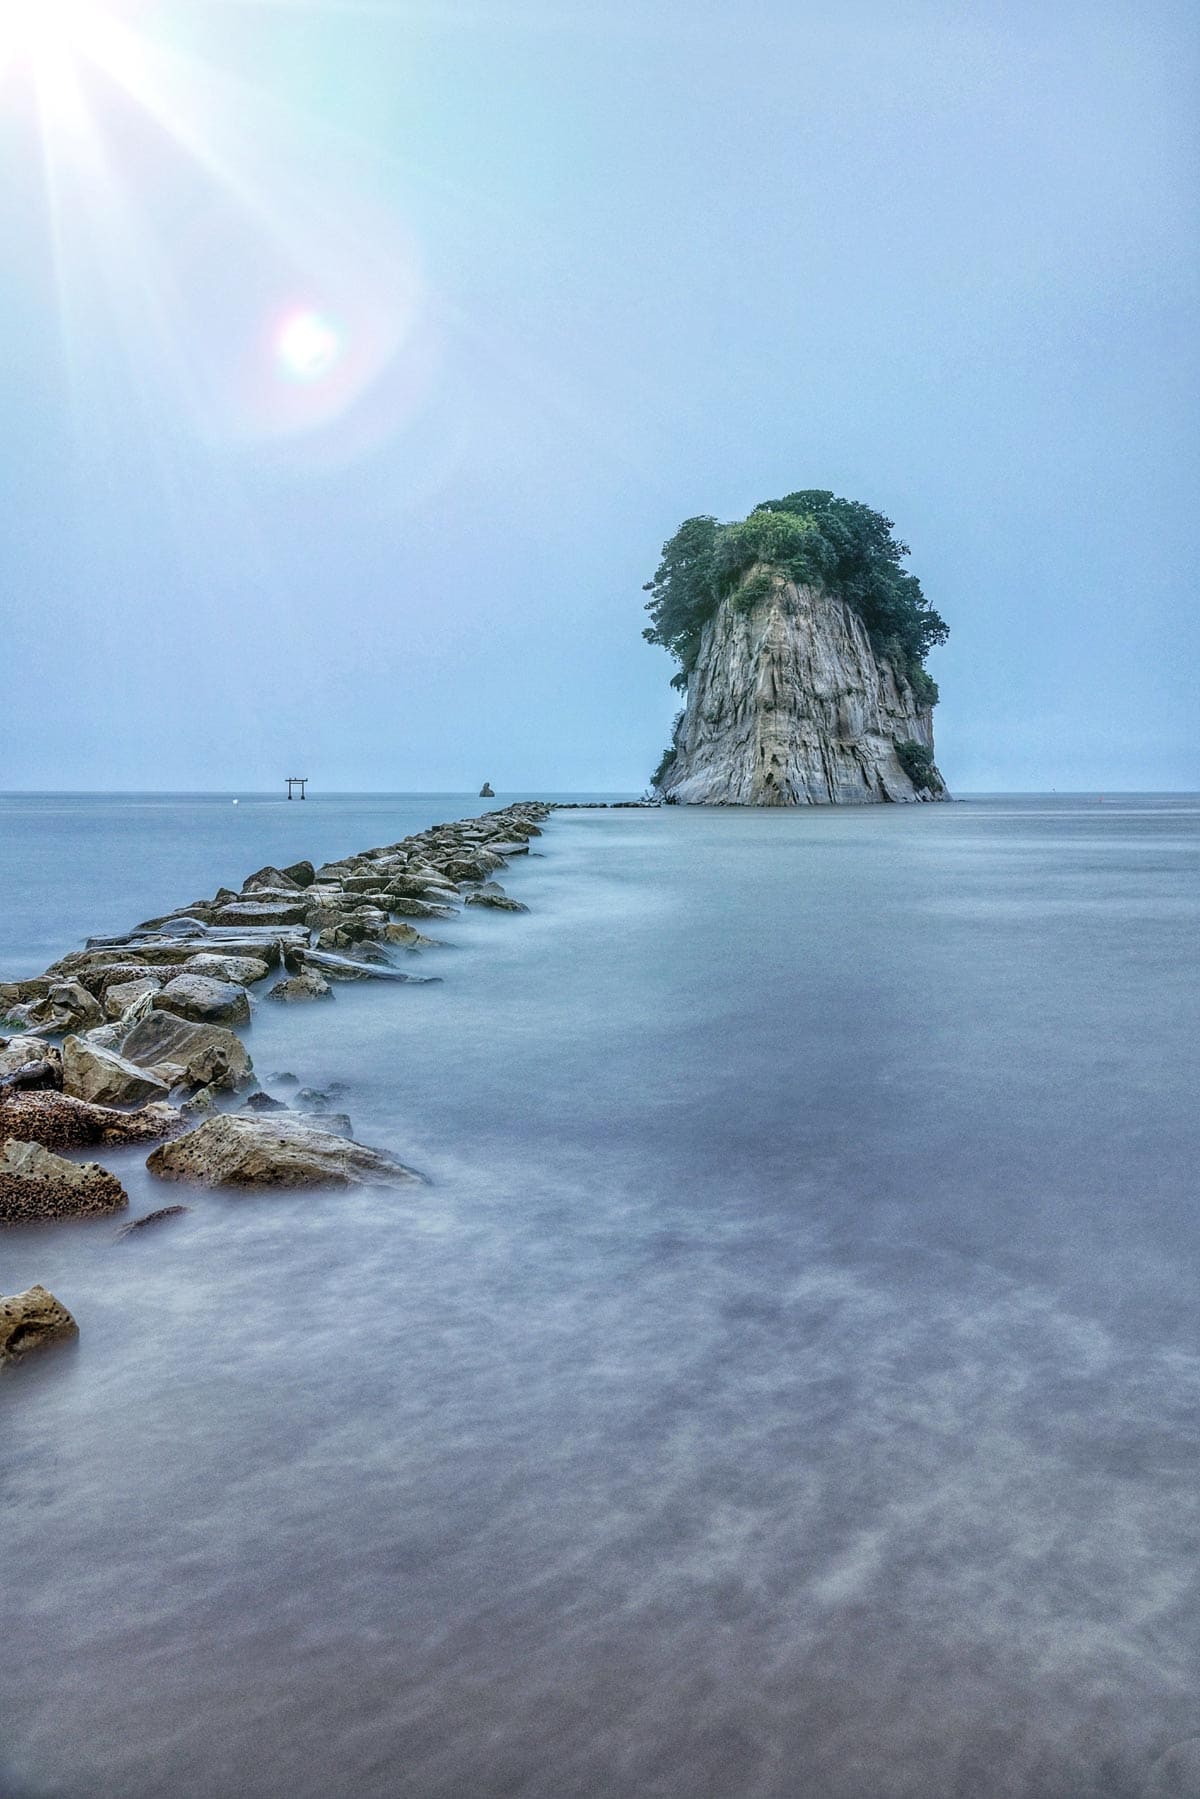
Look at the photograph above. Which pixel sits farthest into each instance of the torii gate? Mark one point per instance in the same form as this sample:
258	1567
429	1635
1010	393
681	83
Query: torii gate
300	781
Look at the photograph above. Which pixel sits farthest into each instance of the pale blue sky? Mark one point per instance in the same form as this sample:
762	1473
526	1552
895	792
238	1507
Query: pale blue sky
356	367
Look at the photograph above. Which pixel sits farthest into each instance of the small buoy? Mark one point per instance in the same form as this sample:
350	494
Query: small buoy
235	802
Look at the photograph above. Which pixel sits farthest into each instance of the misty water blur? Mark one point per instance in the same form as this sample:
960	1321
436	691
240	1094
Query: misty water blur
787	1386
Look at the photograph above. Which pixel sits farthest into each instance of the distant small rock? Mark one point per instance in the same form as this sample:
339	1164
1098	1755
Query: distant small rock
201	1103
263	1102
310	983
270	879
139	1224
493	897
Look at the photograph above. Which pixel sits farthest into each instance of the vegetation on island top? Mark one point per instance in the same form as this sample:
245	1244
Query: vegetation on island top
812	537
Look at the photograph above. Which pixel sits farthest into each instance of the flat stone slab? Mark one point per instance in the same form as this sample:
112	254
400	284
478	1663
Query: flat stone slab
269	912
346	968
275	1151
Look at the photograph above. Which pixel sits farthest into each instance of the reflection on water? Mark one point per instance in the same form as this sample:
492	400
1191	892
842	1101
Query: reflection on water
789	1385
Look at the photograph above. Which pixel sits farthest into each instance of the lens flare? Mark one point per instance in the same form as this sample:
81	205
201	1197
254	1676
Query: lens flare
242	263
308	345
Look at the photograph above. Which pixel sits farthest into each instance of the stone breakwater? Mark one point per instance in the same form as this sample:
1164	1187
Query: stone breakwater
134	1039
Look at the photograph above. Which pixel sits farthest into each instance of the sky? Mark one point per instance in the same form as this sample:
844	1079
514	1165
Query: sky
357	359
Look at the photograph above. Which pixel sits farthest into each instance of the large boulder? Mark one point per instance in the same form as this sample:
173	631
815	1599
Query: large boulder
242	970
204	1001
30	1320
302	873
37	1184
106	1078
208	1054
59	1121
277	1151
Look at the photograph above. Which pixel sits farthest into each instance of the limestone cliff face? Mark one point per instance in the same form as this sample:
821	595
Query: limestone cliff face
789	706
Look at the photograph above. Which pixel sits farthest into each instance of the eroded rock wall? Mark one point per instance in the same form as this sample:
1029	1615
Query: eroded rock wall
788	706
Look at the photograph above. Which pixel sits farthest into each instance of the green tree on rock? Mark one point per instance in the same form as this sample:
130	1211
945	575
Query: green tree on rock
812	537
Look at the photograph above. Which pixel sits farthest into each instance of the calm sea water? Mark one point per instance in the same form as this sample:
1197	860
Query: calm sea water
789	1385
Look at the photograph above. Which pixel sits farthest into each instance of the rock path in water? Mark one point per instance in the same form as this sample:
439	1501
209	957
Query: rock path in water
134	1039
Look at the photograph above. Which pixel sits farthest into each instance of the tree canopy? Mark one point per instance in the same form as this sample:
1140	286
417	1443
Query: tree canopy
812	537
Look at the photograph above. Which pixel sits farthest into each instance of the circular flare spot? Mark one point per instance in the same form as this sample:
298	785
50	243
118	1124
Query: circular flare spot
308	345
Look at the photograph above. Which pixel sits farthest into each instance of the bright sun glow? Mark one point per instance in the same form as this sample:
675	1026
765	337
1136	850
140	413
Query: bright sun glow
308	345
191	294
37	28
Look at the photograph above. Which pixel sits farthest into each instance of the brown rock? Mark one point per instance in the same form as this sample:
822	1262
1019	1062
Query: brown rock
30	1320
37	1184
59	1121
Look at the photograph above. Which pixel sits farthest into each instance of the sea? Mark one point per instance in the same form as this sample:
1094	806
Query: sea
786	1387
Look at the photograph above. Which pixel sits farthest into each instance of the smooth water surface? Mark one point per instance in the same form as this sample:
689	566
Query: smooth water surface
789	1384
